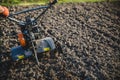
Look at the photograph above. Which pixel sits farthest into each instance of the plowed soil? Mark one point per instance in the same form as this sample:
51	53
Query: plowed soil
89	34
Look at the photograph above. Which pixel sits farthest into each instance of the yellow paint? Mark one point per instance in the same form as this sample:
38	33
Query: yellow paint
46	49
21	57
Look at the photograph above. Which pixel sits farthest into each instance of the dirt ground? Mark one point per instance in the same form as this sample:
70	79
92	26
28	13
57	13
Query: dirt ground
89	34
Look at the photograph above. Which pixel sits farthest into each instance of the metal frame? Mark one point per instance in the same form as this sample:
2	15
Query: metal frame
26	25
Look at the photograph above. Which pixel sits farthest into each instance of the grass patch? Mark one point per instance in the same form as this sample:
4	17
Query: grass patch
64	1
59	1
82	0
32	3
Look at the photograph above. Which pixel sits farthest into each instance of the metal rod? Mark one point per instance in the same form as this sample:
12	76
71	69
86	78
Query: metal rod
13	19
27	10
42	13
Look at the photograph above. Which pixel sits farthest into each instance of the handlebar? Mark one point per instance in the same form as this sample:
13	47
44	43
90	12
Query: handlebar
27	10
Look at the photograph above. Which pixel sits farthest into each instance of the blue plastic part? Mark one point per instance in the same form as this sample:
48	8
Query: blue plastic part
19	52
45	43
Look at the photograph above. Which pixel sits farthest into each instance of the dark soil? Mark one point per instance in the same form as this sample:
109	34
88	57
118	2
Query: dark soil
89	34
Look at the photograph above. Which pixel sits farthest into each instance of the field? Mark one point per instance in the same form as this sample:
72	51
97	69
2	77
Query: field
89	34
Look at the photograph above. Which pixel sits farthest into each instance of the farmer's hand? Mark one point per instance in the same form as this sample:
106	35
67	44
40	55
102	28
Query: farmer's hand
4	11
53	1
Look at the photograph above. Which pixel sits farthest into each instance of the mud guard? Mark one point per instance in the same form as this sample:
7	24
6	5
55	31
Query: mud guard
18	53
44	45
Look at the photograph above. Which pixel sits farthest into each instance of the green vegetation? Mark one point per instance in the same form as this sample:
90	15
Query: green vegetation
82	0
29	2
